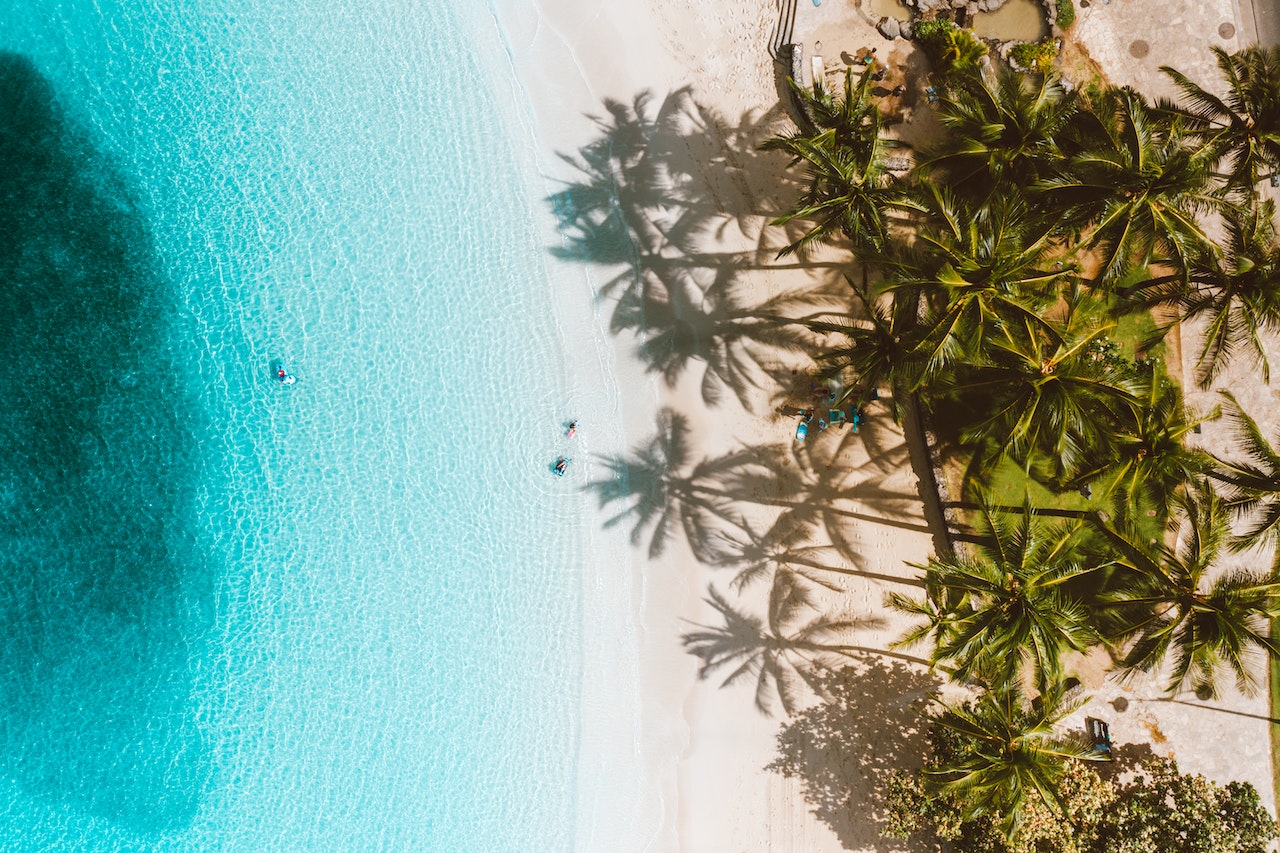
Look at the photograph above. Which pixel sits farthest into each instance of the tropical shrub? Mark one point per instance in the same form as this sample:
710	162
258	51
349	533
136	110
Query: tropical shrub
1163	809
1035	56
931	32
1066	13
953	50
1160	810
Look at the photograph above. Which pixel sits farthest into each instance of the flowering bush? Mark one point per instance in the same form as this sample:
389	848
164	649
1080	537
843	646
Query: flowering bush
1161	810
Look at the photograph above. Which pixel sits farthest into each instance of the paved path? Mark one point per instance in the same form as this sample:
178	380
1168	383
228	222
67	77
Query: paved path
1259	21
1131	39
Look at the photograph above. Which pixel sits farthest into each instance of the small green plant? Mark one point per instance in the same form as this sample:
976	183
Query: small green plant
1066	14
1035	56
953	50
933	32
961	52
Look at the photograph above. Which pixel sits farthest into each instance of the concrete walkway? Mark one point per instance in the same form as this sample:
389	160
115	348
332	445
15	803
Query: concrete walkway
1131	39
1259	21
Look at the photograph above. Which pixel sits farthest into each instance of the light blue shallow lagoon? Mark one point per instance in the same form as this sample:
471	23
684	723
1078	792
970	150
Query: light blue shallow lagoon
243	616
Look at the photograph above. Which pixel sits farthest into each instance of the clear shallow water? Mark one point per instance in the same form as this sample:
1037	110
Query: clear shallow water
240	616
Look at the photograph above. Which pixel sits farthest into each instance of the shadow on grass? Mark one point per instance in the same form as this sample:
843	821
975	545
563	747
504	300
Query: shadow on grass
666	195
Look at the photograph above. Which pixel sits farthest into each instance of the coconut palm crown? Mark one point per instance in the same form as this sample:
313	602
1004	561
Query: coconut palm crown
1001	132
1244	124
848	187
1137	179
1183	609
1003	753
1006	613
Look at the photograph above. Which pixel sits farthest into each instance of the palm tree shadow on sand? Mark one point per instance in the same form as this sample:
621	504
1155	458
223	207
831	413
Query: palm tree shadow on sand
869	724
672	201
661	486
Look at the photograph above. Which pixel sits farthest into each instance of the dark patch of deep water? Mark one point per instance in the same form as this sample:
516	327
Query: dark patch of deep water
99	570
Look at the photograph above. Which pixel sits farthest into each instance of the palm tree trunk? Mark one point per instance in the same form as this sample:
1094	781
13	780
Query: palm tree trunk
856	651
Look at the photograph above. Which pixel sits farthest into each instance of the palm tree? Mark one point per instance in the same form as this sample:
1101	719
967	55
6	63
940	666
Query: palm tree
1181	607
1253	485
1002	134
779	653
1244	124
1138	179
852	117
1146	459
1006	611
1238	294
1037	394
848	187
878	349
1003	753
980	269
935	610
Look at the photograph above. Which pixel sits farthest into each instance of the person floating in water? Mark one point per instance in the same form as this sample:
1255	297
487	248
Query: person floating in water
562	465
285	377
573	429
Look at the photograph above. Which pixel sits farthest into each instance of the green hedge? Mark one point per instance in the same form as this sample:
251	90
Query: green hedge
1066	13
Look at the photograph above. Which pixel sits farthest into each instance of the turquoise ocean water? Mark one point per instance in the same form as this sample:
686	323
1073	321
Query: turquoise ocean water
239	616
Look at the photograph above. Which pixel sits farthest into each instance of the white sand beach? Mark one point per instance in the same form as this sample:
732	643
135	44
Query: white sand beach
671	762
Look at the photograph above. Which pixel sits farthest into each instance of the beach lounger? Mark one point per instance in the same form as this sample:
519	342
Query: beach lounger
1100	735
818	70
